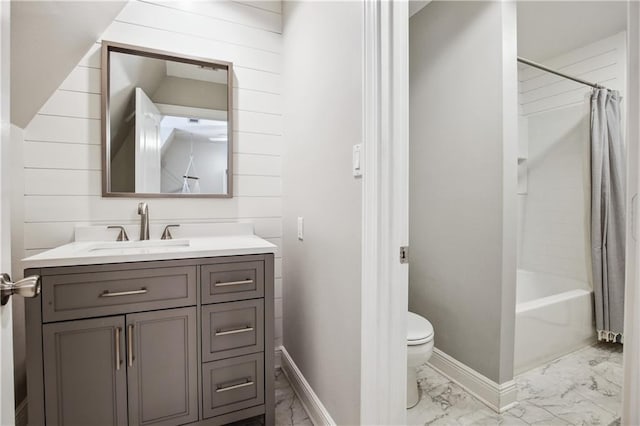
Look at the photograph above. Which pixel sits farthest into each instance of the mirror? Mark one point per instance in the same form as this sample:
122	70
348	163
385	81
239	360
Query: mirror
166	123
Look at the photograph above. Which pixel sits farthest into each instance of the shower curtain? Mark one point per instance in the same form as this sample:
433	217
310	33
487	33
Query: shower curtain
607	214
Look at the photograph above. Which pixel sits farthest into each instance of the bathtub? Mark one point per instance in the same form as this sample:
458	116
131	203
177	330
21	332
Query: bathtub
554	316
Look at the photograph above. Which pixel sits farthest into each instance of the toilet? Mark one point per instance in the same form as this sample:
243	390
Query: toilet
419	349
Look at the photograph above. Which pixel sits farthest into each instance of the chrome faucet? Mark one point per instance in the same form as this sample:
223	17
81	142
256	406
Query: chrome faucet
143	211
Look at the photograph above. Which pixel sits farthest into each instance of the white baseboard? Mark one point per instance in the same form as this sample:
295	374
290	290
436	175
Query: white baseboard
498	397
310	401
21	413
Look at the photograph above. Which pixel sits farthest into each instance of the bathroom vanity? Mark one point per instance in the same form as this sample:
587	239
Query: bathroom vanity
153	333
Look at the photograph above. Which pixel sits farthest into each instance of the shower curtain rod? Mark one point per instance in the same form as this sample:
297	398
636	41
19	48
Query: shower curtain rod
543	68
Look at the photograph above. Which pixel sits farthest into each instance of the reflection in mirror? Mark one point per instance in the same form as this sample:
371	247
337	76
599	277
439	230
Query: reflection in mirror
168	131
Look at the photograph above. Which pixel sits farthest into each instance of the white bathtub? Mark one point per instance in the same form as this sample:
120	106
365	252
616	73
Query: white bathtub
554	316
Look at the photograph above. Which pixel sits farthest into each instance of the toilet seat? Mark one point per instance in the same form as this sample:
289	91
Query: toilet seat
419	330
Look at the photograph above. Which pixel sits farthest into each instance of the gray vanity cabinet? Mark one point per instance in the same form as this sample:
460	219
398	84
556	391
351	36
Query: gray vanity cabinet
85	379
162	343
162	367
92	367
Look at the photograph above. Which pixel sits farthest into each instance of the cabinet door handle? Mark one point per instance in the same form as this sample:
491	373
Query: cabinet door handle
234	331
130	345
248	382
106	293
243	282
117	337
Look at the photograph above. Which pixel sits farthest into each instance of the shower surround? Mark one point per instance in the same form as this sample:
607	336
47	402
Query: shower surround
554	291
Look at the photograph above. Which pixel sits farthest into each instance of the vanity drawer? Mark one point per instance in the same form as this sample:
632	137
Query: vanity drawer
232	329
226	282
232	384
97	294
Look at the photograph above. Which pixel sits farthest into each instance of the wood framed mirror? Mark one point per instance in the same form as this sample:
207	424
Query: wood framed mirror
167	124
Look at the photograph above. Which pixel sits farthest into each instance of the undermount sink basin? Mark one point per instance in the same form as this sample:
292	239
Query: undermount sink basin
138	245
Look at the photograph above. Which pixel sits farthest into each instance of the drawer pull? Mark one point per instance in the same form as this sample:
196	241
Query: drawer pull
130	345
123	293
117	338
234	331
249	382
247	281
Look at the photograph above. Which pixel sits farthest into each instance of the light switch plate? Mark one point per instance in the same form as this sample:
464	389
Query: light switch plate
301	228
357	160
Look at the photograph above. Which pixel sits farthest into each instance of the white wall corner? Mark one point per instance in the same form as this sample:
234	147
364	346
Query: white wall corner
310	401
498	397
631	368
509	189
278	357
16	153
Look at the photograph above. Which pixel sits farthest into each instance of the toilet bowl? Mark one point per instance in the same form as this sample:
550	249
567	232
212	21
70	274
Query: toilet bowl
419	349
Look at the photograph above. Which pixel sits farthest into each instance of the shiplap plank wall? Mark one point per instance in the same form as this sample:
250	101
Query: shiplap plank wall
601	62
62	157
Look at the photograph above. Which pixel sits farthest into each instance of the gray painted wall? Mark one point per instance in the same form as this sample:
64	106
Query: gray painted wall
191	93
322	87
463	140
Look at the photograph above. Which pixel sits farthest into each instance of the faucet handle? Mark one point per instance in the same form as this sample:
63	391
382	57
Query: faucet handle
122	235
166	234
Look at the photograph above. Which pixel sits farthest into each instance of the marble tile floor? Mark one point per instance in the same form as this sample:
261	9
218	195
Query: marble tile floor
289	410
582	388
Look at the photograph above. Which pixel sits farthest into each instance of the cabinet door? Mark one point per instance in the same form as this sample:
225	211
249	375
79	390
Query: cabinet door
162	367
85	378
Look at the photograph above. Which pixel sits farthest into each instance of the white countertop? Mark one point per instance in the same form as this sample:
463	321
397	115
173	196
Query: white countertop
212	240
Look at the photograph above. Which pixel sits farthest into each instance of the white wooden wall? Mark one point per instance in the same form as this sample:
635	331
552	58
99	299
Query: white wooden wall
601	62
62	165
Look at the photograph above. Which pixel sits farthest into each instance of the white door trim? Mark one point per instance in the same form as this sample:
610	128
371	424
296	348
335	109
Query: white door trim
7	409
631	368
385	217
